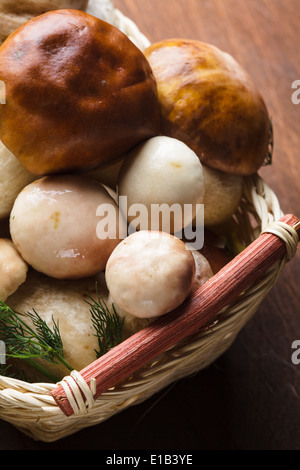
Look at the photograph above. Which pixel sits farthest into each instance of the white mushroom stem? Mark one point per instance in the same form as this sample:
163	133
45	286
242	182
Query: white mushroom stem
13	269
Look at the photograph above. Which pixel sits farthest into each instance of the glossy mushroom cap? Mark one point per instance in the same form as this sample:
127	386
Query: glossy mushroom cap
163	179
209	102
79	93
150	273
55	221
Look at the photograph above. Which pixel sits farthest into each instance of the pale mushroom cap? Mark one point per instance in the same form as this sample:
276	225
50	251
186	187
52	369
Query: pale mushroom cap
223	193
203	270
13	178
165	172
107	174
13	269
132	324
54	225
150	273
64	302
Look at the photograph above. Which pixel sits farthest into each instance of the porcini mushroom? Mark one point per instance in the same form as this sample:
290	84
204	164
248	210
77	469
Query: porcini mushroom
132	323
62	302
211	103
203	270
150	273
79	93
162	179
55	224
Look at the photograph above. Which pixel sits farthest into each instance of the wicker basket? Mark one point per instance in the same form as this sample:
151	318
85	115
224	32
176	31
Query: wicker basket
32	409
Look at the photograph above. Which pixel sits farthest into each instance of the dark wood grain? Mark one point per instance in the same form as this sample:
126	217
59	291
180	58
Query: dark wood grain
249	398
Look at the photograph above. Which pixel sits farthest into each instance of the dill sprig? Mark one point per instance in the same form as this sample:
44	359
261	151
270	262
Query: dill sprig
7	370
107	323
39	341
31	343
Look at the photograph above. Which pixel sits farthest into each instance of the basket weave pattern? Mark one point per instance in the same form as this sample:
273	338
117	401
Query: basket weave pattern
31	408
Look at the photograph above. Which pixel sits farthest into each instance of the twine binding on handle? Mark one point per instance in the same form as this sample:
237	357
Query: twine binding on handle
287	233
78	392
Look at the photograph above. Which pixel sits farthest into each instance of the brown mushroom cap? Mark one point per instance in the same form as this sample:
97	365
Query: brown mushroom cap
79	93
203	270
209	102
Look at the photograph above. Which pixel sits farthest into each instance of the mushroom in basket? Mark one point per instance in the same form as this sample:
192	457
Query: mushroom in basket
151	273
79	93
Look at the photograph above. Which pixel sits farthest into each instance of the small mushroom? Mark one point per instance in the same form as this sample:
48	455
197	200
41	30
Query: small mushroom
66	226
132	323
163	182
150	273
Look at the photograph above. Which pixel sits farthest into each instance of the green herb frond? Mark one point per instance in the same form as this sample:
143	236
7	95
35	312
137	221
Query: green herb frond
28	337
107	323
29	343
50	337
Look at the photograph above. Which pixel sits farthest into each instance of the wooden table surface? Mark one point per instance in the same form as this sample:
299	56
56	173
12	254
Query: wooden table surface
249	398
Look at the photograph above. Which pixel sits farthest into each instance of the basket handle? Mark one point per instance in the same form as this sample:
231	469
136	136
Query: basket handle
77	392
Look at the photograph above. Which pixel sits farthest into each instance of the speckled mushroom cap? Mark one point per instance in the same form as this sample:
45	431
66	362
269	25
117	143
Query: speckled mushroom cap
56	222
150	273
